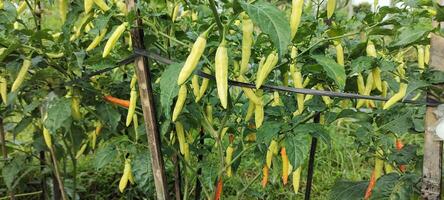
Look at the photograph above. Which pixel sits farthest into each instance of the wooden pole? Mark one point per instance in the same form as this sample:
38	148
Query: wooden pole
148	107
431	183
5	151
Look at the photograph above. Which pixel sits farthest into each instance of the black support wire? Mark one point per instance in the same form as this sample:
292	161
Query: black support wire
163	60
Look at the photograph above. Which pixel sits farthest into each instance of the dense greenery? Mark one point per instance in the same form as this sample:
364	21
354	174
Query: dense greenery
58	96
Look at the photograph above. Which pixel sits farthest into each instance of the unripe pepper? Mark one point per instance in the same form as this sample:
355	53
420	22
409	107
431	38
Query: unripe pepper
88	4
127	176
186	152
47	138
331	6
371	51
181	98
4	89
21	75
81	151
296	179
97	40
250	110
180	136
221	68
193	58
427	54
295	17
259	111
265	70
175	13
113	39
102	5
397	97
249	92
195	85
204	85
75	107
63	9
247	42
339	53
209	113
228	158
421	57
21	7
284	165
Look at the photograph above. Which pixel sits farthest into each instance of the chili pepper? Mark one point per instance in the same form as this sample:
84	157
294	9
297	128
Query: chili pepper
367	90
218	192
397	97
297	179
81	151
4	89
250	110
295	17
21	75
195	85
388	168
259	111
427	54
180	102
47	138
284	165
331	6
180	136
421	57
399	146
175	13
132	106
121	6
96	40
249	92
228	158
88	4
75	107
266	68
339	53
247	41
272	150
221	68
276	99
127	175
113	39
21	7
186	152
204	85
371	185
117	101
265	176
371	51
209	113
102	5
193	58
63	10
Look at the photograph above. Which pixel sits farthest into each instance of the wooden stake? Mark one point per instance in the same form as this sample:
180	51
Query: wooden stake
431	183
148	107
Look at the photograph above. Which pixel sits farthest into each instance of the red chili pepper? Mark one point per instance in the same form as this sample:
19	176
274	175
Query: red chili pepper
218	192
117	101
371	185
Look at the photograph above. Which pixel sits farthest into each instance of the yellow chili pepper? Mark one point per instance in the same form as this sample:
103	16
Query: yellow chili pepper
265	70
180	136
181	98
221	68
204	85
248	91
259	111
250	110
63	10
102	5
427	54
296	179
339	53
421	57
331	6
82	150
97	40
113	39
47	138
295	17
4	89
397	97
247	42
285	165
22	6
193	58
367	90
21	75
228	158
195	85
209	113
88	4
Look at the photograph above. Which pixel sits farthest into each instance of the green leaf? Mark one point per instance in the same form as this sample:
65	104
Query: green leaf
272	21
407	36
141	167
104	156
334	70
394	187
10	171
297	149
169	87
59	111
267	131
414	85
361	64
316	130
109	115
350	190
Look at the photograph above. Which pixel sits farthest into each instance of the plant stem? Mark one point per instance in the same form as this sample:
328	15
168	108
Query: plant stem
4	150
216	17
